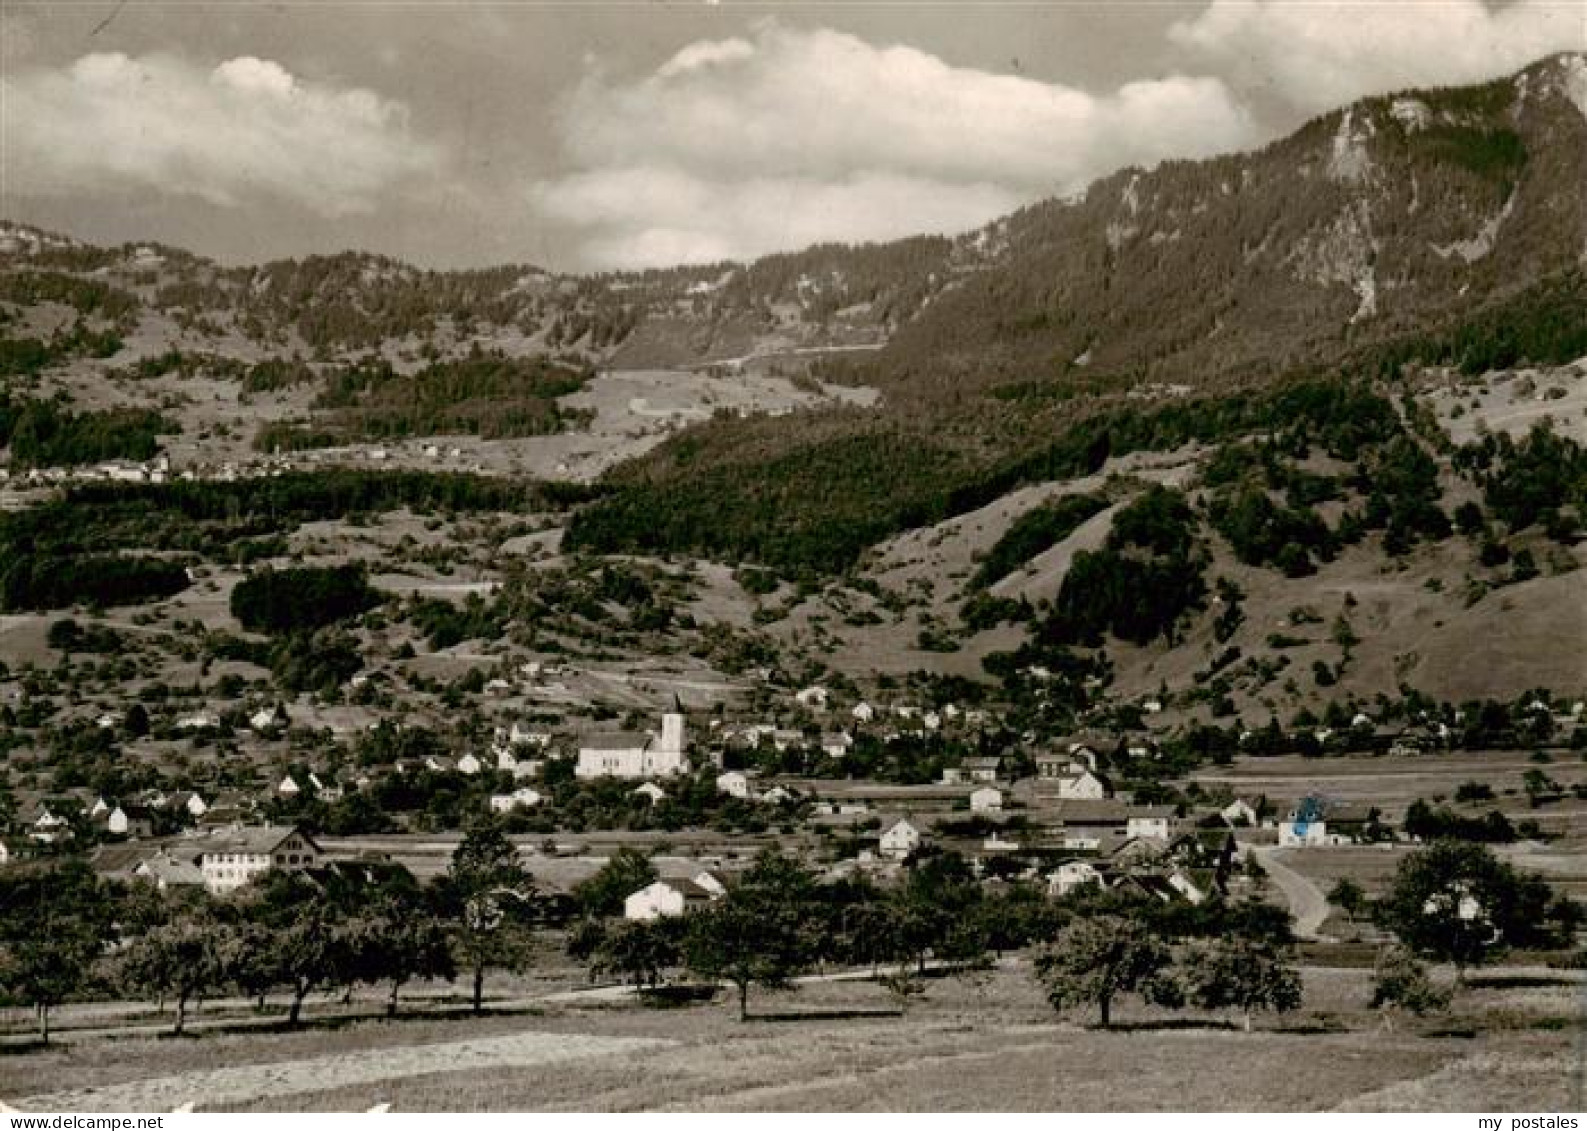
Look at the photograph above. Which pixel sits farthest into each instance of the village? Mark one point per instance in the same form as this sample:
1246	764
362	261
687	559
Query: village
1052	817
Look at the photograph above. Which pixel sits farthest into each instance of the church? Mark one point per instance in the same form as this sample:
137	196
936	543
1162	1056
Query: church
635	754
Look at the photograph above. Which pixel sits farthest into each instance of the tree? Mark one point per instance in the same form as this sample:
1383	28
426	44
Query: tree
1400	981
625	872
56	922
489	896
1457	902
641	951
1540	787
1348	896
1093	960
308	952
181	958
756	934
933	912
248	959
405	942
1241	974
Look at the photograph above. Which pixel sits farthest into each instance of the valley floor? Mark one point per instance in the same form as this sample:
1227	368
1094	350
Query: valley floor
987	1042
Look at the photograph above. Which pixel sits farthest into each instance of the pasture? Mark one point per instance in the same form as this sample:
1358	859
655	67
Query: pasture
983	1042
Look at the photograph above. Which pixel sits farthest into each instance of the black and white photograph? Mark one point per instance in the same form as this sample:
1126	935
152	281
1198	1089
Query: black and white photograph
767	556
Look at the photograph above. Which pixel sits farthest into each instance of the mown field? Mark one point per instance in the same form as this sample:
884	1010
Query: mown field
987	1042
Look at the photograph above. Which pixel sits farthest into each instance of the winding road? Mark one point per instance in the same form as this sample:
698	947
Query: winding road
1308	907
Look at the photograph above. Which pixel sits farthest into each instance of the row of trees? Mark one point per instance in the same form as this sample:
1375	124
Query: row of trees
67	934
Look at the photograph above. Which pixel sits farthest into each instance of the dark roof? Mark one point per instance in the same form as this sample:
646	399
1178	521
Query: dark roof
1106	812
252	840
119	859
617	740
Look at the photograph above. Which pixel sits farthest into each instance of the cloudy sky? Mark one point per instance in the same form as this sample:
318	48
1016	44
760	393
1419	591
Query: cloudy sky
586	136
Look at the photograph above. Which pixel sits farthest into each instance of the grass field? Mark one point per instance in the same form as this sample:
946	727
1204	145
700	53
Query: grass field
988	1042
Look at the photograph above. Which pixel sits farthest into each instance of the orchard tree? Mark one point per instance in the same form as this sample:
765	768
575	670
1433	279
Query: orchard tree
57	920
1348	896
248	960
1400	982
1457	902
489	896
1240	973
180	959
1095	959
640	952
757	934
403	942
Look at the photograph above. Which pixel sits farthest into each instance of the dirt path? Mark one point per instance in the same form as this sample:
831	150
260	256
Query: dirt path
1307	904
317	1074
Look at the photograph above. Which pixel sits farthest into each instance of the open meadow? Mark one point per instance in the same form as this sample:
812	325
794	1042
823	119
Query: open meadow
982	1042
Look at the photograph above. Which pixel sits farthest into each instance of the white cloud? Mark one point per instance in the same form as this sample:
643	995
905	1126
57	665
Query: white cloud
228	135
1319	56
742	146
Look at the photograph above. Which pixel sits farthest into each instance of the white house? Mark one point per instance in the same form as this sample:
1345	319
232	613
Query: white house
524	735
1240	812
734	783
166	871
987	799
1081	785
188	801
266	719
232	859
203	720
901	839
650	790
468	764
666	898
289	787
49	825
1150	822
837	744
1294	833
776	795
635	755
863	712
813	698
524	798
1193	890
1072	874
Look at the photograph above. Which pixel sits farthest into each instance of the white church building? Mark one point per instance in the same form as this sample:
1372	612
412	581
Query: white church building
634	754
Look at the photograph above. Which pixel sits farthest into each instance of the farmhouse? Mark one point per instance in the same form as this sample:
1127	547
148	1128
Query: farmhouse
166	871
232	859
1240	812
734	783
672	897
1150	822
522	798
987	799
1072	874
1081	784
900	839
988	770
630	754
186	801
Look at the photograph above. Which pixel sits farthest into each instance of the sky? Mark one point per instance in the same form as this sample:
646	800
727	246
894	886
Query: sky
596	136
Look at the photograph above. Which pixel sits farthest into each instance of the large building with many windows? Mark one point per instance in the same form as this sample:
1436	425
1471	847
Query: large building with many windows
236	857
